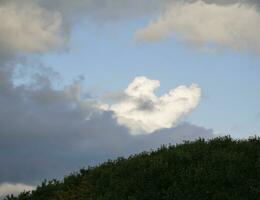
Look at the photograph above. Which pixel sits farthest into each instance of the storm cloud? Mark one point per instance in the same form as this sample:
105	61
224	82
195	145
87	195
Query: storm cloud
46	133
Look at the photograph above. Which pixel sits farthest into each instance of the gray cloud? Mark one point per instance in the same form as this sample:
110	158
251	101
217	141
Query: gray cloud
233	26
225	23
47	133
39	29
107	10
112	9
45	25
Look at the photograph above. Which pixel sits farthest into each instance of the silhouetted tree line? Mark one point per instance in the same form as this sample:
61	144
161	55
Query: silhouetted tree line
218	169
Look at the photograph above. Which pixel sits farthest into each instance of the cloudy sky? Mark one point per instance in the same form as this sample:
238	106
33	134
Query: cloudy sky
87	80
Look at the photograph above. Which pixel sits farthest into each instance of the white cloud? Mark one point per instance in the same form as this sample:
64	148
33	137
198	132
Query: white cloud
235	26
8	188
28	27
60	129
142	111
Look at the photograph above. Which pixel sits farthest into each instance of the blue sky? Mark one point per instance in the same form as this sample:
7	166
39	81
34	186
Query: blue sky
204	55
109	58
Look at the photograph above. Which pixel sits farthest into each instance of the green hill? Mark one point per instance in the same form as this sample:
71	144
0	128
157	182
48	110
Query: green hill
217	169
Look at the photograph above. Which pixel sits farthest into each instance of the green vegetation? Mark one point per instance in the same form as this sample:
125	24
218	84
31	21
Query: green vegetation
218	169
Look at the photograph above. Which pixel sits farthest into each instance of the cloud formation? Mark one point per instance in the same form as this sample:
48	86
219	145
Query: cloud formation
224	23
142	111
26	27
47	132
7	188
234	25
44	25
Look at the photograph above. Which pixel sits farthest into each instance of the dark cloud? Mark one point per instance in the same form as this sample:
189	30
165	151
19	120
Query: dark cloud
48	133
145	105
220	2
112	9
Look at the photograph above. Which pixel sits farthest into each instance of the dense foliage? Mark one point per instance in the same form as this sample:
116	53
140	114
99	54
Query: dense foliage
217	169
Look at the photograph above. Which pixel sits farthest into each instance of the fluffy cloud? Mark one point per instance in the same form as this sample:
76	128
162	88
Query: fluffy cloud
233	25
37	26
142	111
42	25
28	27
47	133
7	188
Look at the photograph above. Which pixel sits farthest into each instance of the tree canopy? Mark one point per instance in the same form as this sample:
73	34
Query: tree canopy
217	169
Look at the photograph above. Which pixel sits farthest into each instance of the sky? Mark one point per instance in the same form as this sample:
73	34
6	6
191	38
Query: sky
89	80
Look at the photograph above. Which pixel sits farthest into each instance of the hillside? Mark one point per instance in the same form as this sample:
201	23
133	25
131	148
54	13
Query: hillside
218	169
